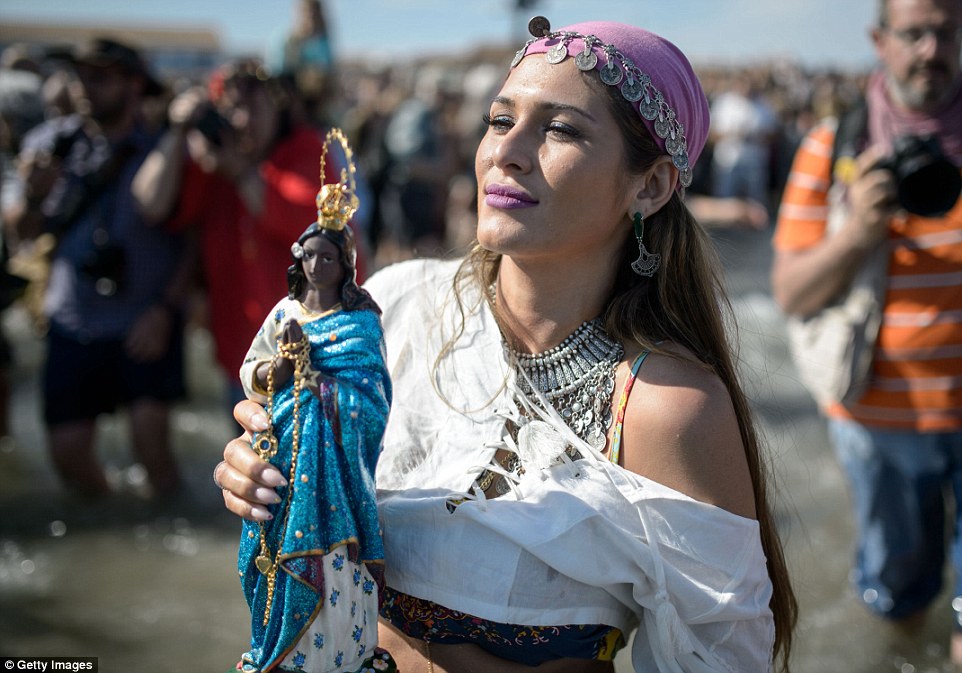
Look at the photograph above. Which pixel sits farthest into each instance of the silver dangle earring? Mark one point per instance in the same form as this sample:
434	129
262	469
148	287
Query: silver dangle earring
647	262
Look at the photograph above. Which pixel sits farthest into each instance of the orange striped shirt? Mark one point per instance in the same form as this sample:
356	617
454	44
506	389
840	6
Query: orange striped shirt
917	372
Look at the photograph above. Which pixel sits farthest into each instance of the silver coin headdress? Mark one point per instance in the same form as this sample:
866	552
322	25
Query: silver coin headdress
620	71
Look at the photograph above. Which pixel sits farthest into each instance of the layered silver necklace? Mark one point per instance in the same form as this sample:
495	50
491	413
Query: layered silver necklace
577	377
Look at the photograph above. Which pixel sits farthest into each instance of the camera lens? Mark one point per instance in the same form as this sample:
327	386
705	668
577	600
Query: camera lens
930	190
212	125
928	183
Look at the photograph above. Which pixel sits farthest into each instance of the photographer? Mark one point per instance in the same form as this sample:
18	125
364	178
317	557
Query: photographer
111	300
240	165
899	439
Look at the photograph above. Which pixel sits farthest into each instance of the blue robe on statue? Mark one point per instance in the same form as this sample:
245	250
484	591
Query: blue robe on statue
325	599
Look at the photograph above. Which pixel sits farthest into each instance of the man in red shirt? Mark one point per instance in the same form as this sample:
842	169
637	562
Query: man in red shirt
240	165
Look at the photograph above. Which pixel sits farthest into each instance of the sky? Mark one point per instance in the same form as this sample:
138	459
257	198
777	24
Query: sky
814	32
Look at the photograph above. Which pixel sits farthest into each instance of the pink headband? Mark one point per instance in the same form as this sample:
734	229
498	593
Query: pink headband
651	73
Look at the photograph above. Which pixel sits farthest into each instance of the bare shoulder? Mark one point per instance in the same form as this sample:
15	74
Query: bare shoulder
680	430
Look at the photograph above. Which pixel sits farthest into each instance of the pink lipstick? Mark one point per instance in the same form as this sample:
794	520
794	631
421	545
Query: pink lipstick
502	196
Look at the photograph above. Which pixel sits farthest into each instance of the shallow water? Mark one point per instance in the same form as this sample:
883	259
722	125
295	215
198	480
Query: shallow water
153	587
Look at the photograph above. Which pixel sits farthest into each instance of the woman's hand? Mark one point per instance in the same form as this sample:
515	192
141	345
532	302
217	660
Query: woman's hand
247	481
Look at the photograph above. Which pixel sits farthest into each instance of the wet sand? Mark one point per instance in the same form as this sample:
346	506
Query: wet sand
153	586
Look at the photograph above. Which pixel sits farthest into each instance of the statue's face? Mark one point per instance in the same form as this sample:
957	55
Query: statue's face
322	263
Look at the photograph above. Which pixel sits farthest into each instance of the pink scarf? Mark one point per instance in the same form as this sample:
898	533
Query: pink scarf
888	121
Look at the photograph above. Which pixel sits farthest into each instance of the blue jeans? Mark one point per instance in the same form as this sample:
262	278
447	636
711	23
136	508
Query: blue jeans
899	482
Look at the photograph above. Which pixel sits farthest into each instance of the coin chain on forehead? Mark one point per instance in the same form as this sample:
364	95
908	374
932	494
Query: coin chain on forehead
619	70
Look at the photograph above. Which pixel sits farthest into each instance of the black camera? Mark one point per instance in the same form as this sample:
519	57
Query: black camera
212	126
928	183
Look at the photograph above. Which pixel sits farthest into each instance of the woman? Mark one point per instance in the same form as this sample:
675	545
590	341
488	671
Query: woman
549	480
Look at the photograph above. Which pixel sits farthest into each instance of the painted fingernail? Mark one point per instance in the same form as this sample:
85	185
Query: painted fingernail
259	421
267	495
259	513
274	478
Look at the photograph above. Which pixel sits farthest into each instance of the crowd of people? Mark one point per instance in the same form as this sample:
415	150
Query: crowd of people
228	179
414	126
133	208
228	154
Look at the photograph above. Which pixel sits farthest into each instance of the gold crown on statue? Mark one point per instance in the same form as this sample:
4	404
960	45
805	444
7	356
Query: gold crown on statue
337	202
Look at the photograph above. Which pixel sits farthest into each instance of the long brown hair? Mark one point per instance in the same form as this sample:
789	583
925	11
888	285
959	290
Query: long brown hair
684	302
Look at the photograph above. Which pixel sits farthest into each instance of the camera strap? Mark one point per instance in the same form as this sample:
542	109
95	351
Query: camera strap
89	190
851	138
30	266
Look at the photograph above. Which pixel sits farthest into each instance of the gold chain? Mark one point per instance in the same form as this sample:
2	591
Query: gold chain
427	655
266	447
